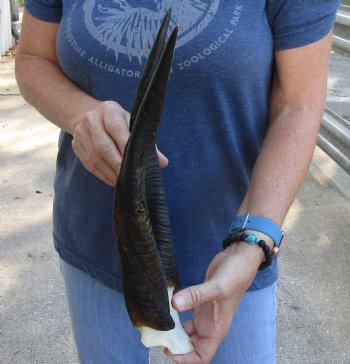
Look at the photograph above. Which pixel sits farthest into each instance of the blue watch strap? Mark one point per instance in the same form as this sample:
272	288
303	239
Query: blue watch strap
258	223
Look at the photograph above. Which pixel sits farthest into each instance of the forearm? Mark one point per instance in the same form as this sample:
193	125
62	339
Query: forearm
282	164
296	106
44	85
99	129
277	176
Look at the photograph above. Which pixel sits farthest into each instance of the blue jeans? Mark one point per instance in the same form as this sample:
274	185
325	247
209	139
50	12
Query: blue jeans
103	333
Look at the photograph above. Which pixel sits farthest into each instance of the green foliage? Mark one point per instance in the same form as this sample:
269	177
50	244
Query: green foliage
346	2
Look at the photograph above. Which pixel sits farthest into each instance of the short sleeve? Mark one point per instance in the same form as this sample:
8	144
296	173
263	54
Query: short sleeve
295	23
47	10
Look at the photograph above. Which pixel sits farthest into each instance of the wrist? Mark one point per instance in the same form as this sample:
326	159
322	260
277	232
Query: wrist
82	112
251	256
252	240
248	258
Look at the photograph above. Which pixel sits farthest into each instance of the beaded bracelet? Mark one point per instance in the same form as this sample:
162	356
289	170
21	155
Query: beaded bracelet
251	239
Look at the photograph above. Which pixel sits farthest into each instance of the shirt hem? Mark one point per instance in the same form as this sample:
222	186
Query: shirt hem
45	13
104	277
263	280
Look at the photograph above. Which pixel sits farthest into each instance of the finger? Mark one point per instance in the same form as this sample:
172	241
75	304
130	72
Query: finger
103	178
102	170
189	327
91	143
190	297
163	160
93	162
191	358
108	158
101	158
275	251
116	125
204	351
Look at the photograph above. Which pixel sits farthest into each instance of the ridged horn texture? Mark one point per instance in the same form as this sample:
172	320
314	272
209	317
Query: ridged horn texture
141	218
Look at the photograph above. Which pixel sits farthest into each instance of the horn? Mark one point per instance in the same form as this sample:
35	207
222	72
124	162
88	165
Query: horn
141	218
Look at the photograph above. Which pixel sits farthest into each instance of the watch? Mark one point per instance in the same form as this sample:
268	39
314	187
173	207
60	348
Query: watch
258	223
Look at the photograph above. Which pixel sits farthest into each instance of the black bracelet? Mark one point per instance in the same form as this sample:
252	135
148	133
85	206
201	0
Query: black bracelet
251	239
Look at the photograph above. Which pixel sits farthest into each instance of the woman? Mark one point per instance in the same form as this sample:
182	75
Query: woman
239	126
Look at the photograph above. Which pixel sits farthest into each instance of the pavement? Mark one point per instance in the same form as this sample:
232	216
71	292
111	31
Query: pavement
338	98
313	290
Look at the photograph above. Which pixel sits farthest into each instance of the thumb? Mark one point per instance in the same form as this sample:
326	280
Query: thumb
163	160
190	297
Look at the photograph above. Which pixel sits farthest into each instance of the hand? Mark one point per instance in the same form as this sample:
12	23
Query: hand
99	140
215	302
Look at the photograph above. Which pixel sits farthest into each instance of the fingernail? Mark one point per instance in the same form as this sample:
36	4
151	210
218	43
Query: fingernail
161	154
180	302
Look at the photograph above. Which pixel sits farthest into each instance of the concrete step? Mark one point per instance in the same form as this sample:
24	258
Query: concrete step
341	36
345	8
334	135
334	138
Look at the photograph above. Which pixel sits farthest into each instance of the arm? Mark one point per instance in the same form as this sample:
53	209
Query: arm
99	129
297	104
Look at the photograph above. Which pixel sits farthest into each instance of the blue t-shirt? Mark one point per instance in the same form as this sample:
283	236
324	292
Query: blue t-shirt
214	120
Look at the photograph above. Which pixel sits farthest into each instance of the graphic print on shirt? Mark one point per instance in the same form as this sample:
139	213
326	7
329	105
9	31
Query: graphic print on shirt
129	27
